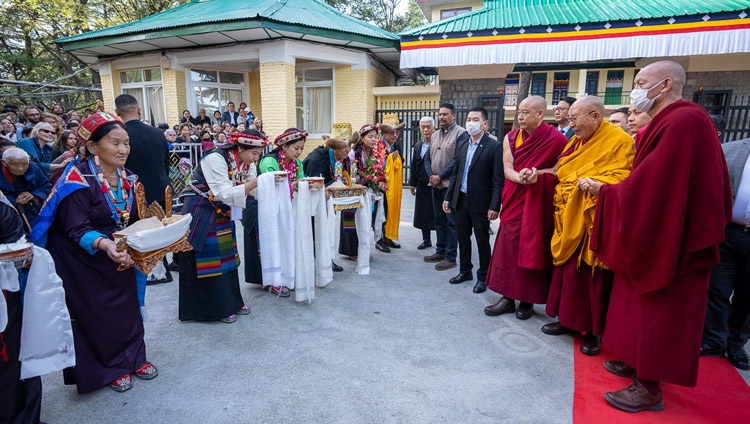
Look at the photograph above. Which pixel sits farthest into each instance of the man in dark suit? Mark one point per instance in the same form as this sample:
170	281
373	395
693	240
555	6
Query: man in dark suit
474	195
561	116
149	154
230	115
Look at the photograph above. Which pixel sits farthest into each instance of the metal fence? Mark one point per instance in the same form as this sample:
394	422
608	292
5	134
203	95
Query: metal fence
179	175
738	119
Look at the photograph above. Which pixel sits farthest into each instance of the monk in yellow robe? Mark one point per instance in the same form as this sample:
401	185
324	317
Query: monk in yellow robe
394	173
581	284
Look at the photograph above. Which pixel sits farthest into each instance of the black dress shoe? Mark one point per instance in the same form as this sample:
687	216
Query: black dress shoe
708	349
336	268
738	357
480	287
461	277
393	244
173	266
525	310
380	245
425	244
556	329
591	344
503	306
151	280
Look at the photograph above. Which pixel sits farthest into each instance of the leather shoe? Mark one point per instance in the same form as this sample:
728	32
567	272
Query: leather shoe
556	329
151	281
525	310
591	345
708	349
393	244
738	357
444	265
380	245
435	257
503	306
461	277
480	287
620	369
336	267
425	244
635	398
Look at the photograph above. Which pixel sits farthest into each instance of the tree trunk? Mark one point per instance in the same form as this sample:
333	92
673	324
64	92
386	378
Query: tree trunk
523	92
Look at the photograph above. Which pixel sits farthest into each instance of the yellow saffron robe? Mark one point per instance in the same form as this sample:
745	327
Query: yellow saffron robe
607	158
394	171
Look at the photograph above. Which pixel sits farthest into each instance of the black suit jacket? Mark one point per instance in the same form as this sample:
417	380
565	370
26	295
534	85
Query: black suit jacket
486	176
227	117
149	158
418	170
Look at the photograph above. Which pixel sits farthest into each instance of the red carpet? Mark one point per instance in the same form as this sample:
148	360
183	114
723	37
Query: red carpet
722	396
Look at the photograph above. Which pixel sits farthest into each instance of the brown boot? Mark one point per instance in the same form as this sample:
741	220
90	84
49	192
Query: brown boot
503	306
444	265
436	257
635	398
620	369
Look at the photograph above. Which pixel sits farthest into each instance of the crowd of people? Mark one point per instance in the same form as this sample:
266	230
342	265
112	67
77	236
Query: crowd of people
634	231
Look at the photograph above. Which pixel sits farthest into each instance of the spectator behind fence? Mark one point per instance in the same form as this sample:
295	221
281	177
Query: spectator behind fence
24	184
40	145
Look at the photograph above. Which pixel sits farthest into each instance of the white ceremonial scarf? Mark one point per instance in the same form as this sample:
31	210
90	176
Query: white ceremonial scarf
275	232
8	282
323	250
304	264
46	332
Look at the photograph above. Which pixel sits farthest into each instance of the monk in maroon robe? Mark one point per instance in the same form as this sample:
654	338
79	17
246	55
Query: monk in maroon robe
659	231
521	260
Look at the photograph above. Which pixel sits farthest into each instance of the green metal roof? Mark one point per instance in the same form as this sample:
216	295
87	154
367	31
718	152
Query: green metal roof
500	14
201	16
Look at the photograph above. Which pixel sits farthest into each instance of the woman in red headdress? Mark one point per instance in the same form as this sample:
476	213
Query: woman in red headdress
91	200
209	280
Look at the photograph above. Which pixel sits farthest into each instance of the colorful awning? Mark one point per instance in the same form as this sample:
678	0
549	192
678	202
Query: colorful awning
701	34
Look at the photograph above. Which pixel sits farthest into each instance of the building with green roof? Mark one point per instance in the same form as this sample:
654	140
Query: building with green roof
294	62
576	47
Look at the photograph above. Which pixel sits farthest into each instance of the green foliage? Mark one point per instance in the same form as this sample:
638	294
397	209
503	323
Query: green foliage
28	29
382	13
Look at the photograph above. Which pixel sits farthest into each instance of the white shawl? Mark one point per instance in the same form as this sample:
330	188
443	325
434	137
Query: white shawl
275	232
363	222
46	332
323	251
304	264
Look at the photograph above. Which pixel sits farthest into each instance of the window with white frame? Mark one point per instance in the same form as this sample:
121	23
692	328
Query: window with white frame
314	100
213	90
146	86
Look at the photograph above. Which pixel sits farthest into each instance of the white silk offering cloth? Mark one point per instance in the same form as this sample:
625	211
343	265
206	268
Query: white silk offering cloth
363	222
312	263
289	256
46	332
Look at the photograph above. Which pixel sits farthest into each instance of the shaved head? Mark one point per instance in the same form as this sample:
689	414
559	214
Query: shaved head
534	103
590	103
665	69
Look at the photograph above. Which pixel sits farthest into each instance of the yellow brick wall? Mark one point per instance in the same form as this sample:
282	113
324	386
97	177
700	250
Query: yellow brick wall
277	97
253	83
427	101
175	95
110	86
355	102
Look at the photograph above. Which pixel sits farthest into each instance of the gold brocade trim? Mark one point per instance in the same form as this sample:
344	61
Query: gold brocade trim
338	208
146	261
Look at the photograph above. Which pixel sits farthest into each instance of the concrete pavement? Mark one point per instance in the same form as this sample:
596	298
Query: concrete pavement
398	346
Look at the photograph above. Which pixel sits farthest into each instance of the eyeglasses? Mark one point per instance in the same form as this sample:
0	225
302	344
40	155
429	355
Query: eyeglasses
559	109
572	118
47	132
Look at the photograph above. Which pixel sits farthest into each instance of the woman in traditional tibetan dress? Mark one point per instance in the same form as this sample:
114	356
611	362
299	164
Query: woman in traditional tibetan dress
285	157
90	201
328	161
209	280
368	159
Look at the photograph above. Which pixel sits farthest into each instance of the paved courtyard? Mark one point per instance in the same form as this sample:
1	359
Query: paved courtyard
398	346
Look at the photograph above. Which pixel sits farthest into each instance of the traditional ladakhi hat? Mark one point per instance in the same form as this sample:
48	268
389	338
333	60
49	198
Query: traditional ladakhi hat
391	123
92	123
342	130
290	135
367	128
249	137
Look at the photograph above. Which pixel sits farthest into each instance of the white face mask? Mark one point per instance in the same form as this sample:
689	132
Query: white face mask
639	97
473	128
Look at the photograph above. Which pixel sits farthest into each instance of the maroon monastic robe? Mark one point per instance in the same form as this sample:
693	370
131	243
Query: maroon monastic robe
521	260
659	231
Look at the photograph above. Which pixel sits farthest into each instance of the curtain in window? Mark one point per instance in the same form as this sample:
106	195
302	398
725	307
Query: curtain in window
155	95
319	110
